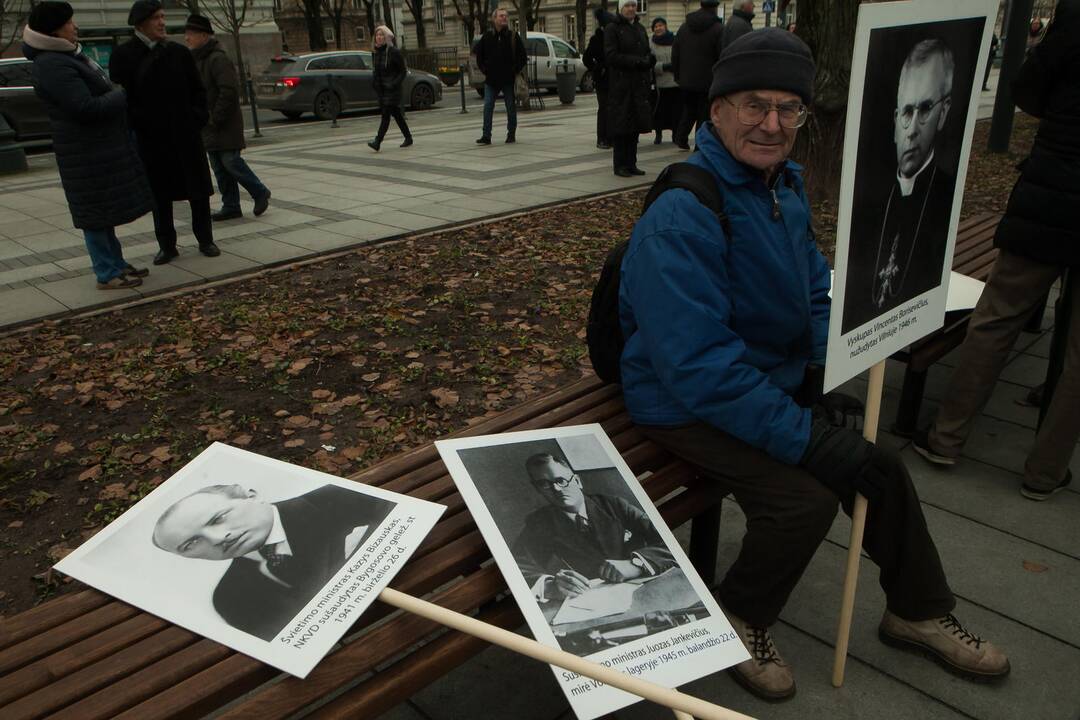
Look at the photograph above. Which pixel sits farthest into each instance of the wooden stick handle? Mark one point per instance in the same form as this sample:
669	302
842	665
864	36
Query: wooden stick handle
680	715
858	526
689	706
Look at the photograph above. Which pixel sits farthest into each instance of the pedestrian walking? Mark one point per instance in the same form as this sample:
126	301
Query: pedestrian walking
1038	239
167	109
100	171
741	22
629	64
667	107
693	54
500	54
594	61
223	135
389	74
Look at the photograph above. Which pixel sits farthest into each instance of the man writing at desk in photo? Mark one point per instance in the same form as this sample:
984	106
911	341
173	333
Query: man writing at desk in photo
581	536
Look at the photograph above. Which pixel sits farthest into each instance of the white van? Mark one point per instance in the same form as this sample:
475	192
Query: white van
546	53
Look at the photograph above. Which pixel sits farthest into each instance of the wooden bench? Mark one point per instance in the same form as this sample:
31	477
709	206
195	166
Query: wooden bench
87	655
974	256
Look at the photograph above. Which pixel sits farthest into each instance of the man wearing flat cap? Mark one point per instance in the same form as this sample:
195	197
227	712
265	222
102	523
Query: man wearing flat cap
168	110
733	384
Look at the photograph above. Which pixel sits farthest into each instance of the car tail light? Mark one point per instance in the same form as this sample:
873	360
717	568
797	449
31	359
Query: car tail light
290	82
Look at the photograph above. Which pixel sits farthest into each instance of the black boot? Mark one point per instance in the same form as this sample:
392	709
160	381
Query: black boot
375	144
408	141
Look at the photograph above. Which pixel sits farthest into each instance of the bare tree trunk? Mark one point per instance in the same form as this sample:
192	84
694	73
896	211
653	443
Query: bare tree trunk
580	9
828	27
240	73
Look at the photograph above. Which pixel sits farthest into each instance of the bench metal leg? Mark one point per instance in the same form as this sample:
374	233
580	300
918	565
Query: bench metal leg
704	542
911	396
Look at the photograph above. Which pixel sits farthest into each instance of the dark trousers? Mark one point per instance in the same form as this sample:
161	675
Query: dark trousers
200	221
989	66
602	117
624	151
695	111
789	512
231	172
394	111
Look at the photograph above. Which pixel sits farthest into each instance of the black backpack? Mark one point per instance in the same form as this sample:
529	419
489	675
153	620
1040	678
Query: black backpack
604	333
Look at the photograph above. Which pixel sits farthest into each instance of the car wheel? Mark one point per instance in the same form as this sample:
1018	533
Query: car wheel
327	105
423	96
586	84
292	114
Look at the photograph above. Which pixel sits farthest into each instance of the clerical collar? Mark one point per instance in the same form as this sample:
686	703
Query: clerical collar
150	44
276	537
907	185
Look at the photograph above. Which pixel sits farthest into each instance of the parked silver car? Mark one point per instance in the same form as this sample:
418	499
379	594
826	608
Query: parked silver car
327	83
546	54
20	106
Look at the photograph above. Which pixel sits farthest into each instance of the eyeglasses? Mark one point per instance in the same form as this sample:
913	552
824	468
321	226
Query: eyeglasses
922	110
558	482
791	115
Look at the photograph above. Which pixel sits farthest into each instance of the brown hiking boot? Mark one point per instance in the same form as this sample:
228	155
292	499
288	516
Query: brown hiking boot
946	641
765	674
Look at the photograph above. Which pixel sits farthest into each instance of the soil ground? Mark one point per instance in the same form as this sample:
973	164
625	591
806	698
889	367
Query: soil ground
333	365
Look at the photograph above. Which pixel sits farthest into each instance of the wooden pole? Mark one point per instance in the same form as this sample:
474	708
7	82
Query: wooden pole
858	525
686	706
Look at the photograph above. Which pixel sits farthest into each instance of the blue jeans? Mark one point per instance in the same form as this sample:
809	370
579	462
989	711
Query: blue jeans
489	107
105	253
231	172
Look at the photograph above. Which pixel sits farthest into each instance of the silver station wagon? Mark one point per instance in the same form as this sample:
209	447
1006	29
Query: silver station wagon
328	83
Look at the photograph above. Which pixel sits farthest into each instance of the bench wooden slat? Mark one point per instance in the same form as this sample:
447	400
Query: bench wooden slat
45	617
63	635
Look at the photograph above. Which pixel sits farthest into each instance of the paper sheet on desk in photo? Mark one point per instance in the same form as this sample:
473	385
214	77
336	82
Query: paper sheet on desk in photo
489	472
355	536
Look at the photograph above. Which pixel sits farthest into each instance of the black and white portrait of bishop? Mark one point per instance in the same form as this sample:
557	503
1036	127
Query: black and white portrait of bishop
900	256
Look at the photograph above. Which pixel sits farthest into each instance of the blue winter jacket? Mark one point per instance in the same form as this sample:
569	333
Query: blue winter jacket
720	329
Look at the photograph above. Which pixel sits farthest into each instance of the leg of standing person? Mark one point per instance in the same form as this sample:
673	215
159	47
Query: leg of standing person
618	155
986	75
631	155
399	118
243	174
108	266
511	113
164	229
227	186
1045	471
1015	286
118	251
384	125
687	118
603	141
201	227
489	111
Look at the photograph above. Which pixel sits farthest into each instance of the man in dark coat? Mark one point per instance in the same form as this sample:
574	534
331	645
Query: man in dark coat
167	106
740	23
629	64
594	61
1038	238
500	55
223	135
280	554
898	250
697	47
579	537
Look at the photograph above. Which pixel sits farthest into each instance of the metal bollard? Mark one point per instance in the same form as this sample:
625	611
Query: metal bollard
254	108
330	84
461	82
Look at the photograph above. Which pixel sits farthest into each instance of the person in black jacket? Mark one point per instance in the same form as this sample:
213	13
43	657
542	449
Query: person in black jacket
629	64
500	55
594	61
1038	239
167	107
101	173
696	49
741	22
389	74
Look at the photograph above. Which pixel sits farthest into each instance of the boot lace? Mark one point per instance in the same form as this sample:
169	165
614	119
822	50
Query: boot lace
761	645
950	623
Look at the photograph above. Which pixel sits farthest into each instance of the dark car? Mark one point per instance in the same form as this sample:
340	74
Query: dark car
327	83
19	105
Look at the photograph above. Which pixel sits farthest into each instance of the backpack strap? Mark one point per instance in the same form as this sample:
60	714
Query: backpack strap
696	179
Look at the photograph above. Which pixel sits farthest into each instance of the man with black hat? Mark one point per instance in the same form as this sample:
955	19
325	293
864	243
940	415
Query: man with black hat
223	136
733	387
167	105
696	49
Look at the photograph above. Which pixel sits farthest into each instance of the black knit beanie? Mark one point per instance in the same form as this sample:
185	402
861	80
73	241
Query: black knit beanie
49	16
766	59
142	10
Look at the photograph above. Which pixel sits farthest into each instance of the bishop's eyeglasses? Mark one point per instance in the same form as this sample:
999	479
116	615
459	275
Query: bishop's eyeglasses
558	482
791	115
907	113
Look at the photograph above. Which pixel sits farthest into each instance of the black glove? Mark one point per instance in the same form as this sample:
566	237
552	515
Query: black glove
839	459
841	410
812	388
652	60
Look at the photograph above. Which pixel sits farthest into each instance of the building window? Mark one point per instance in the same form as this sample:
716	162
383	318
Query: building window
328	33
440	15
361	33
570	23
